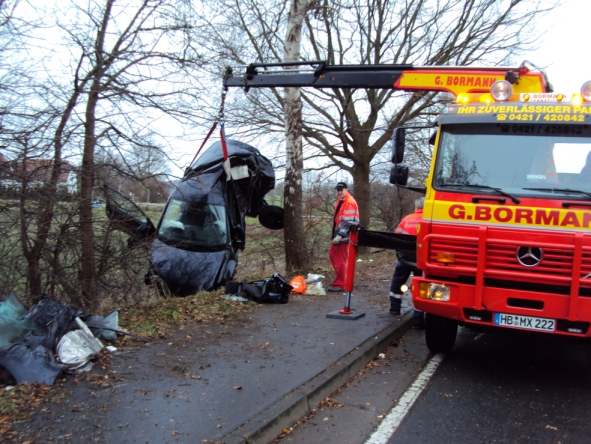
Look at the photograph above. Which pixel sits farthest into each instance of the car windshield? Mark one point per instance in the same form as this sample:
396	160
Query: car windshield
523	159
194	224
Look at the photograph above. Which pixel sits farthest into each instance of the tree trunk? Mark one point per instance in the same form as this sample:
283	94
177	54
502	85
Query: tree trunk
296	251
87	265
88	276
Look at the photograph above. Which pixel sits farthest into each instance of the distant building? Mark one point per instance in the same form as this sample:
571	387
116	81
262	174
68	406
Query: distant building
35	173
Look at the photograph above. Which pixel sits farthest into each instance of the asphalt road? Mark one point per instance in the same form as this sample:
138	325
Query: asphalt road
501	389
533	388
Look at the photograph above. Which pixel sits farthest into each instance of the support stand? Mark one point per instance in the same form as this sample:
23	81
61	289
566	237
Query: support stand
347	312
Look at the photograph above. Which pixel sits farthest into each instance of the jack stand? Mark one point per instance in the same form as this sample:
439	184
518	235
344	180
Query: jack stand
347	312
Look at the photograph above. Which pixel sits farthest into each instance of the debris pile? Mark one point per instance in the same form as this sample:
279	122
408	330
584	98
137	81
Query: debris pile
37	345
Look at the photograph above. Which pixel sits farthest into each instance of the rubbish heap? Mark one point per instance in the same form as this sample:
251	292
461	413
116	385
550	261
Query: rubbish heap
50	338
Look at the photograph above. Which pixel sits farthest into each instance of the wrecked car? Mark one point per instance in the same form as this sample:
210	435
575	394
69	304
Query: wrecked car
196	242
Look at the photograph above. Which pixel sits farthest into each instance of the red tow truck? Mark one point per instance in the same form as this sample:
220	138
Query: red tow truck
504	242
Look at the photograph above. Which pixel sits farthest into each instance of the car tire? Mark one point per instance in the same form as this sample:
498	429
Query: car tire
160	286
232	287
271	217
440	333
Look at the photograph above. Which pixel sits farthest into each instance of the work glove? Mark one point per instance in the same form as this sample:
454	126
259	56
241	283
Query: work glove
337	240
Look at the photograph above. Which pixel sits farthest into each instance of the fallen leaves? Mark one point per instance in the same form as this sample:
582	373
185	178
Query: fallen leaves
159	318
18	405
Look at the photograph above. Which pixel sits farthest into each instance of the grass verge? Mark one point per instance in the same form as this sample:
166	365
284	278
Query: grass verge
158	318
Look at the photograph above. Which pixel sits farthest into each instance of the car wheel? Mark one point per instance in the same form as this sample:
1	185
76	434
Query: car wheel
271	217
160	286
440	333
232	287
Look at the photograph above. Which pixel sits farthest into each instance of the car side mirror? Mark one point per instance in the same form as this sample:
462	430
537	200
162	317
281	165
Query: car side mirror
398	143
399	175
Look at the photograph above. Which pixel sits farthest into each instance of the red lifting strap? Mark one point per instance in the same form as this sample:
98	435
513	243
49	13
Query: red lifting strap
204	142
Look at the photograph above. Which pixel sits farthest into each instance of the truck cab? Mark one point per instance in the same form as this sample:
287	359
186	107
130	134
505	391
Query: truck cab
505	242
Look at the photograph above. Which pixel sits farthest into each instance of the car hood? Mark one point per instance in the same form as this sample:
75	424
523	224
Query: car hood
187	272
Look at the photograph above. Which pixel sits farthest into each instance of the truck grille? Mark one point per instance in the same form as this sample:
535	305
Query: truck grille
555	262
501	260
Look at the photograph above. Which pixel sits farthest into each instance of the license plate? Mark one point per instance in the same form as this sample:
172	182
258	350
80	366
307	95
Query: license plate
526	322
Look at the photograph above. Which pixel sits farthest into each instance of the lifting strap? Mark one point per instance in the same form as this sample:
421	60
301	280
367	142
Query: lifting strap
220	119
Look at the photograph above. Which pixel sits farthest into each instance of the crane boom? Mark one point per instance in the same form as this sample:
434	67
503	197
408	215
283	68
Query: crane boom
319	74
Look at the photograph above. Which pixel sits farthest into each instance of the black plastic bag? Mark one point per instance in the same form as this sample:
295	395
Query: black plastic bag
271	290
26	364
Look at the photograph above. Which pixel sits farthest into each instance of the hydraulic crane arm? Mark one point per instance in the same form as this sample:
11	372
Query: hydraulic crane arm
318	74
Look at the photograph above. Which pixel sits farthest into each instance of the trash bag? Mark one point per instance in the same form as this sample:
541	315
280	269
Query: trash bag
30	364
315	289
59	317
77	347
271	290
12	326
298	284
104	327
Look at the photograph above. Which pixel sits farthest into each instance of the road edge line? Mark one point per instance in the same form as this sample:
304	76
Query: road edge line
392	421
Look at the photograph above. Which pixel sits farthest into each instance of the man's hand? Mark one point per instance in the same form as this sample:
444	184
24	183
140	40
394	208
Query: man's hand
337	240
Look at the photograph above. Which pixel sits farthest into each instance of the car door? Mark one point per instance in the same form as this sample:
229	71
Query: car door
128	217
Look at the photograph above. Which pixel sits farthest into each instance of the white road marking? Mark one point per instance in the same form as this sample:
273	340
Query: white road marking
391	422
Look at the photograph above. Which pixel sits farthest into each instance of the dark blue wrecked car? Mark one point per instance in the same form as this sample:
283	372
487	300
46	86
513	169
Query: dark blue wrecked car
196	243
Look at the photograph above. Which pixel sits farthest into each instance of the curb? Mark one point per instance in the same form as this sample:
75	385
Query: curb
267	425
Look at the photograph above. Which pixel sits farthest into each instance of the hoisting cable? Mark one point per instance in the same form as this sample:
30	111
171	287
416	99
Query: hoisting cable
226	164
219	119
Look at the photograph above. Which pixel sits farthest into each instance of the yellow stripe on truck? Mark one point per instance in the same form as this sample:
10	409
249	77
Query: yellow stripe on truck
522	217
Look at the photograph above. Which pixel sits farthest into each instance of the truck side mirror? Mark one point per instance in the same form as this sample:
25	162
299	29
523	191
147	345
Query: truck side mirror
399	175
398	142
432	138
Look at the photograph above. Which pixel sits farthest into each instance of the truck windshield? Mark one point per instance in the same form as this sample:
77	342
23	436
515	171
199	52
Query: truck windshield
195	225
532	159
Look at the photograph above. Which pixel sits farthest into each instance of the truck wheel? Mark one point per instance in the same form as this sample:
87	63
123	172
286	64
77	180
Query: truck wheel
440	333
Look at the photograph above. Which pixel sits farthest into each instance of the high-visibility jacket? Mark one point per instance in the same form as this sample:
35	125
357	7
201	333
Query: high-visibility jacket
346	212
409	225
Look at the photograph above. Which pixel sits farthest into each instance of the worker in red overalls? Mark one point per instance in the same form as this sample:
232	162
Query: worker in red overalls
407	263
346	213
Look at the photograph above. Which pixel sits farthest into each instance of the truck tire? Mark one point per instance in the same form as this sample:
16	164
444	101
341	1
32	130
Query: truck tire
440	333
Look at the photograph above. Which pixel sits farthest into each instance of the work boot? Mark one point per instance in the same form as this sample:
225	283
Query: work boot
395	304
335	289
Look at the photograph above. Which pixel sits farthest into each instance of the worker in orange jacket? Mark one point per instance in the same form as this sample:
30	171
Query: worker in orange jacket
346	212
407	263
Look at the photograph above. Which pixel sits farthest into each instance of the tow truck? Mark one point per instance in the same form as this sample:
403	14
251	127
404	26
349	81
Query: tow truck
504	242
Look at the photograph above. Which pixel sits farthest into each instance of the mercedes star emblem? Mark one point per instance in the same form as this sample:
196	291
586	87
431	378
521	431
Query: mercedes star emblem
529	256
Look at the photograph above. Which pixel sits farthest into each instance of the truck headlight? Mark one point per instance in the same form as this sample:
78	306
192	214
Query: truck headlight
586	91
439	292
435	292
501	90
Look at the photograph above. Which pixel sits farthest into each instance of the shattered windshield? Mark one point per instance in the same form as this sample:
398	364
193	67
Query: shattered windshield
194	224
532	159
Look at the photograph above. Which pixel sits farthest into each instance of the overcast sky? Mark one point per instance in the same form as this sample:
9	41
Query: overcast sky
563	54
564	51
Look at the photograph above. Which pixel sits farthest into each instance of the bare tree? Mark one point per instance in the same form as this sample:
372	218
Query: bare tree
350	127
296	251
130	64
